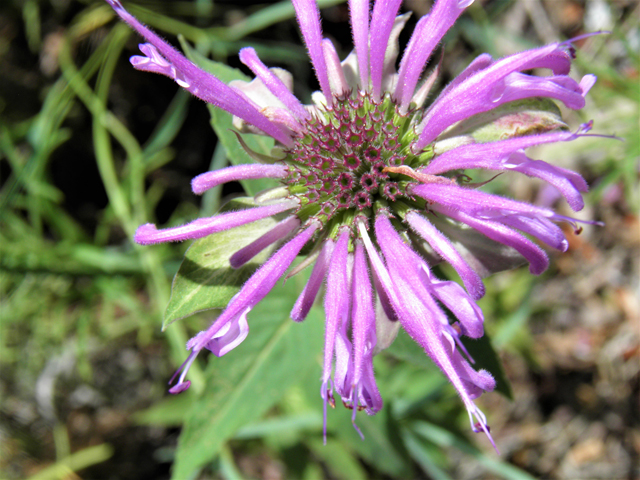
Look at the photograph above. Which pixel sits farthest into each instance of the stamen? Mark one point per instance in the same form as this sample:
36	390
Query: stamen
586	35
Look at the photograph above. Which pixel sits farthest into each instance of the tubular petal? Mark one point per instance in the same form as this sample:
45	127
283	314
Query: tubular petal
485	155
280	231
426	36
540	228
309	20
337	81
205	181
478	203
517	86
507	155
359	10
452	296
417	317
336	301
446	250
258	285
384	13
200	83
148	234
425	285
308	295
536	257
250	58
362	315
421	94
480	91
380	270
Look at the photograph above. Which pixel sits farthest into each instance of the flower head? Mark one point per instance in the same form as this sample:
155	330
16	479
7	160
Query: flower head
372	186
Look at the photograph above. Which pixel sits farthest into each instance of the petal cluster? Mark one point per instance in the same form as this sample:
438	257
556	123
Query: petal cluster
372	186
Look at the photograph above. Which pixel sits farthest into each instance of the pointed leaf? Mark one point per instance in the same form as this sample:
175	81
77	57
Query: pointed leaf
247	382
205	279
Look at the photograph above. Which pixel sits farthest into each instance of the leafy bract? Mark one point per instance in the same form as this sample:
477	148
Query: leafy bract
205	279
529	116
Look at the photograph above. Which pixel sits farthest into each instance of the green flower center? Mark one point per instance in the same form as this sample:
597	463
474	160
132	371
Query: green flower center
353	159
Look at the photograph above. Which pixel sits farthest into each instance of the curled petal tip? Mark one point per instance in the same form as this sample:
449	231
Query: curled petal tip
585	127
181	387
486	381
480	425
197	186
587	82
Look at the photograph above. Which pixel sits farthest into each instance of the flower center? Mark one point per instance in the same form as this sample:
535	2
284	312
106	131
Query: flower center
353	157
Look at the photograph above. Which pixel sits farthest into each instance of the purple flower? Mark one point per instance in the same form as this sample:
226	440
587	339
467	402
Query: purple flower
372	185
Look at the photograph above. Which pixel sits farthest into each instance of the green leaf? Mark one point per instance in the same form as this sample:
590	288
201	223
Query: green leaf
168	412
338	458
424	456
205	279
379	447
284	425
482	351
247	382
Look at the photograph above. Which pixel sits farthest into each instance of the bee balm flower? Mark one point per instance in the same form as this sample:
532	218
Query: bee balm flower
372	186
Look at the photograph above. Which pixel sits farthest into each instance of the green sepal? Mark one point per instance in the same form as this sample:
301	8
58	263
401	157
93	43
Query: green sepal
514	119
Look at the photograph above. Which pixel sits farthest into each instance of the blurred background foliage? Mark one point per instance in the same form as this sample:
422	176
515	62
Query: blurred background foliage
90	149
